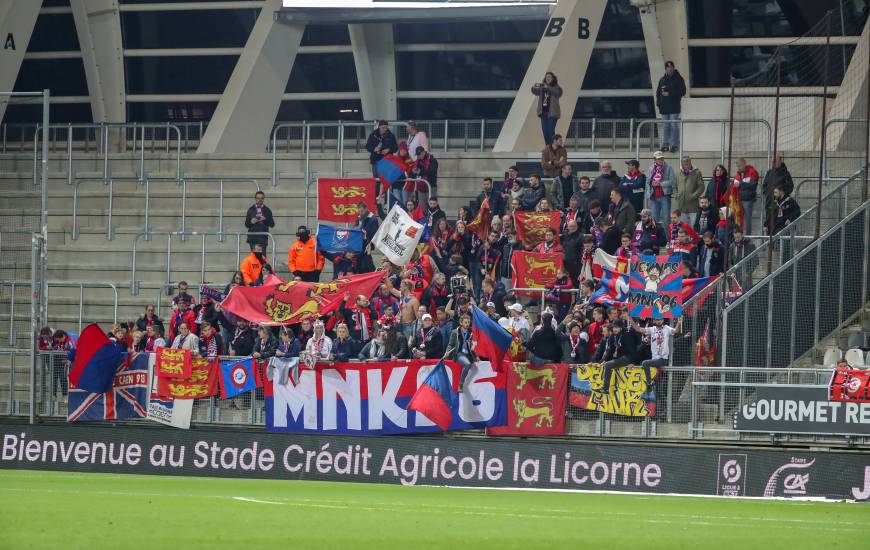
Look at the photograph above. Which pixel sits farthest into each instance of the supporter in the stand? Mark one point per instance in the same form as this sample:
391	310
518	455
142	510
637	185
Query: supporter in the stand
490	292
550	244
242	343
544	342
460	348
739	251
426	168
559	292
254	265
604	183
182	291
725	227
785	210
610	236
511	244
591	215
616	351
548	110
543	205
778	175
238	279
512	176
688	189
574	341
60	342
688	269
416	137
516	194
660	178
747	177
358	318
408	305
210	344
554	157
596	329
303	258
633	184
709	259
435	295
587	255
383	301
259	220
205	313
488	260
496	201
533	194
288	344
717	189
185	339
462	243
305	332
707	217
621	213
518	322
684	246
380	142
154	338
649	235
678	222
572	213
572	245
319	345
182	315
669	93
344	347
585	194
343	264
567	184
434	213
463	215
659	335
426	342
148	319
376	348
265	344
624	250
368	222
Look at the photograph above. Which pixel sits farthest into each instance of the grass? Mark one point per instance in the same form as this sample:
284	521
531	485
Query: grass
72	510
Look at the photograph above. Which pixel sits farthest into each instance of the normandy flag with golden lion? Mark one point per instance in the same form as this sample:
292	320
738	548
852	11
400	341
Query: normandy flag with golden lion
537	396
534	270
337	199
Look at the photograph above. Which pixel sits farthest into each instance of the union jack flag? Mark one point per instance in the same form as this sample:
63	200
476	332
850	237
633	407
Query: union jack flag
128	397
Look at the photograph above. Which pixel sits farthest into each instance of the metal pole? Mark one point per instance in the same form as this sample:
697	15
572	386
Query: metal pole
221	213
306	146
147	208
202	268
775	152
866	135
109	216
183	209
43	256
69	155
35	298
340	148
823	144
169	257
725	245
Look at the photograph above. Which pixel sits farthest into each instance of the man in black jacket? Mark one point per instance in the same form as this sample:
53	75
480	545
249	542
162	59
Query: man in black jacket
368	222
259	220
426	342
785	210
426	168
496	200
572	244
381	141
669	93
605	182
617	350
242	344
777	176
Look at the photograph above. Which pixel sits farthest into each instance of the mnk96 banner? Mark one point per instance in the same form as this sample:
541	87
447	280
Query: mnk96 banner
337	199
655	287
372	399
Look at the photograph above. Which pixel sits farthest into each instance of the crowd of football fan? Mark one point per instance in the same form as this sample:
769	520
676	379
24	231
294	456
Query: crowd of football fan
422	310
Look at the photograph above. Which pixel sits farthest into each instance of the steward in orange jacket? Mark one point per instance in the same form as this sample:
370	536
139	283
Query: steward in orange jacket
303	259
252	266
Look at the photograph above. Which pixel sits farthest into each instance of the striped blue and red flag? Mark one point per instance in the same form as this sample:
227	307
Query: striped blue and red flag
613	290
493	341
390	169
96	360
435	398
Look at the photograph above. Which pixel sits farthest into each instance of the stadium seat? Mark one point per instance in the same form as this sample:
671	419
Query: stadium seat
832	355
855	357
856	340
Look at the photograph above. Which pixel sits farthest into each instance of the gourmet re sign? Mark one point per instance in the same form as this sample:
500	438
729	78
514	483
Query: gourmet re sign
796	409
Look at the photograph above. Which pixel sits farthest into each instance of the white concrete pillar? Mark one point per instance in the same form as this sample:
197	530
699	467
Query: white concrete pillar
565	49
374	55
851	100
98	26
17	20
666	35
243	119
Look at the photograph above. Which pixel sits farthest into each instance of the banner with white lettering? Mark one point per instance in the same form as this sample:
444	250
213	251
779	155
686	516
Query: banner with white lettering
372	399
801	409
398	235
166	410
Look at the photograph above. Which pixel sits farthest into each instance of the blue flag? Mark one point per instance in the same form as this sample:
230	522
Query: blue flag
493	341
237	377
435	398
339	239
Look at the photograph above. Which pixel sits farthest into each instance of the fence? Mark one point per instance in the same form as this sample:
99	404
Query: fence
820	288
691	403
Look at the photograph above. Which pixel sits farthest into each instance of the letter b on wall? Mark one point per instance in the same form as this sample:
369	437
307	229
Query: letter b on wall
557	24
583	29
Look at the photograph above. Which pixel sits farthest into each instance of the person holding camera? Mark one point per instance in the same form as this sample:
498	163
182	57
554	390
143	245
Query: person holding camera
259	219
426	342
460	348
548	93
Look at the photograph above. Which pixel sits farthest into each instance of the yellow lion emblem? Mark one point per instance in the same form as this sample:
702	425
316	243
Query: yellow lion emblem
542	411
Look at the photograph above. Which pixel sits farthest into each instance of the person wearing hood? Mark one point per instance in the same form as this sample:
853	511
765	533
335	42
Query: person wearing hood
669	93
605	182
303	258
255	267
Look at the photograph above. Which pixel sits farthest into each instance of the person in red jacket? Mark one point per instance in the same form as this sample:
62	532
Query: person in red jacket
303	258
674	227
182	315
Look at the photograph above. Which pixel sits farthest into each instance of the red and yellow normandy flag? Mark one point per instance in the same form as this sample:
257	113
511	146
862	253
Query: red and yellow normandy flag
173	363
337	199
534	270
202	382
531	226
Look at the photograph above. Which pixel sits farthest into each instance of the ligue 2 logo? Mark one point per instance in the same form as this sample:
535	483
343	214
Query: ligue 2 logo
731	471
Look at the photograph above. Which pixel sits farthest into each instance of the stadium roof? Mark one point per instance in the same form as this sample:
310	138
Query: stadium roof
390	11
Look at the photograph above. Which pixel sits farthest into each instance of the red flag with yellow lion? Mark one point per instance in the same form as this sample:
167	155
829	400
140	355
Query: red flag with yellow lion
337	199
531	226
202	382
534	270
537	396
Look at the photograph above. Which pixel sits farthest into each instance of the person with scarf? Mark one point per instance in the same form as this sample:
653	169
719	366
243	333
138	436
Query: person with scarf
488	260
633	184
572	245
621	213
436	294
707	217
678	222
186	339
544	342
426	168
565	186
462	243
153	339
265	345
648	236
288	345
259	219
625	250
587	257
683	246
708	261
359	318
434	214
575	343
344	347
725	227
689	188
550	245
182	315
746	180
343	263
460	348
242	342
305	332
439	241
717	189
383	301
148	319
303	258
559	292
205	312
786	210
210	344
319	346
380	142
255	267
426	342
660	177
618	350
376	348
572	213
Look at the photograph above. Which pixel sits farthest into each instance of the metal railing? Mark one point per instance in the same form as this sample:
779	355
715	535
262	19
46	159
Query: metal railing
216	179
818	290
134	283
81	285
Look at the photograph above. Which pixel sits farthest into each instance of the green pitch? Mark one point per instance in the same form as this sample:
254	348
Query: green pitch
66	510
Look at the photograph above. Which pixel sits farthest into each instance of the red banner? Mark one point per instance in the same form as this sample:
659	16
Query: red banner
536	397
531	226
534	270
482	222
295	301
850	385
337	199
202	382
173	363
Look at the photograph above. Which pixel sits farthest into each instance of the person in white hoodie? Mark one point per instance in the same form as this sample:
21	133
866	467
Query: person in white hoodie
416	138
